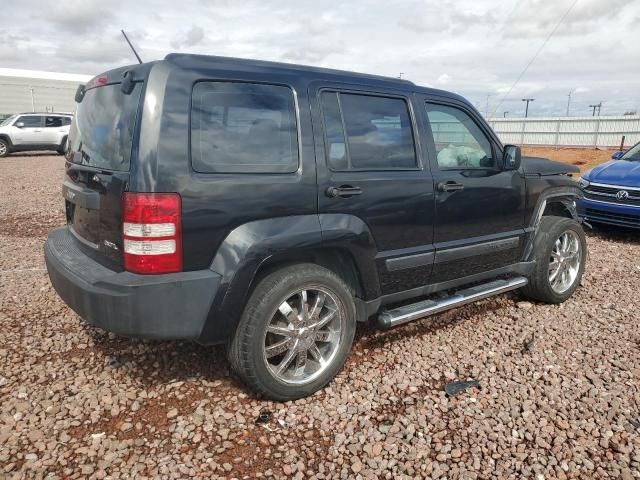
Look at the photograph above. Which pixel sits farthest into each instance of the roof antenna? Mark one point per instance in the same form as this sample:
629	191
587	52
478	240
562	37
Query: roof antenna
134	50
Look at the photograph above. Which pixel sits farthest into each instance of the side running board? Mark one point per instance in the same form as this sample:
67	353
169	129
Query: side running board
408	313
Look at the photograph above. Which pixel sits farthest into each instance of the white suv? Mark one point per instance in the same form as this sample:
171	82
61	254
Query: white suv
34	131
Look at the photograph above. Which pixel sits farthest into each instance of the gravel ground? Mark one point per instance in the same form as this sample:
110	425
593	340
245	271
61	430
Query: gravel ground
77	402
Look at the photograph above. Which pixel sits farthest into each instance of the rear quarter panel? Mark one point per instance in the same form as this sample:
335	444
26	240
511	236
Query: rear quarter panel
213	205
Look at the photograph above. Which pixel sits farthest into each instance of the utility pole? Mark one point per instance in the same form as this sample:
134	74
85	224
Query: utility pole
569	101
504	114
596	106
526	112
33	100
486	110
401	74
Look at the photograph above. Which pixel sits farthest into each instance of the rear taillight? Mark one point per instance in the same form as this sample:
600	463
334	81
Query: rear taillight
151	232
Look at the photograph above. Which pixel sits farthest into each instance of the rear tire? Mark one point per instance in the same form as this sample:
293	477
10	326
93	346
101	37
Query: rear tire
4	148
560	253
63	147
295	332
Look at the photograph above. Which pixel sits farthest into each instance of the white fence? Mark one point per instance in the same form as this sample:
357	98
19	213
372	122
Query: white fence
568	131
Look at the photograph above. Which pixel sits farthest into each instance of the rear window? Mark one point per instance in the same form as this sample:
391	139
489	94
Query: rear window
243	128
102	129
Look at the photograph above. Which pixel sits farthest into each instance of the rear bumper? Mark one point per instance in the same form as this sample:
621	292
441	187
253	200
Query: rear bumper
170	306
609	213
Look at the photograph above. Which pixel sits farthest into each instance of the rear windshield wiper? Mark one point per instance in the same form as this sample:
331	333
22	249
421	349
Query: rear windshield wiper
76	167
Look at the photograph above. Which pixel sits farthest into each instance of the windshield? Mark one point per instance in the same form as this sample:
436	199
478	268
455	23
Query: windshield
633	154
102	129
7	121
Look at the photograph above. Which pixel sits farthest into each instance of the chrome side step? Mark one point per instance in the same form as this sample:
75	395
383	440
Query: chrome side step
408	313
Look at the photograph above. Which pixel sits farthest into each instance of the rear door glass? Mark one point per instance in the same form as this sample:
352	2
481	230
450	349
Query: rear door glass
378	132
52	122
243	128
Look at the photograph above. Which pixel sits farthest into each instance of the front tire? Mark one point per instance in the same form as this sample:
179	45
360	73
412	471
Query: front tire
4	148
560	253
295	332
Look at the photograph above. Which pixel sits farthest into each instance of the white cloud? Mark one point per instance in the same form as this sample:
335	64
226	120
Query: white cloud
190	38
482	45
443	79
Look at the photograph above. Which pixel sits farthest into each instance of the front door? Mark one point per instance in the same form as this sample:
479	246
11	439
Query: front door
371	172
30	130
479	205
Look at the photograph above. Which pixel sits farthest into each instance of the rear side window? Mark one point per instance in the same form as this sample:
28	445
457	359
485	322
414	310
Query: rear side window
378	132
243	128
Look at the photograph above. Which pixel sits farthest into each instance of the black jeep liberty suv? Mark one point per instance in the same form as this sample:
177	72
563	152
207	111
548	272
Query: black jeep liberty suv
272	206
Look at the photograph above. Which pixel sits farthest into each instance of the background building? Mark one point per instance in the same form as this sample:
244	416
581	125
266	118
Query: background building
36	91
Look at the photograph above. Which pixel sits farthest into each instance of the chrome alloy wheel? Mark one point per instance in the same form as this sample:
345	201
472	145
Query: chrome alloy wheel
3	149
564	263
303	335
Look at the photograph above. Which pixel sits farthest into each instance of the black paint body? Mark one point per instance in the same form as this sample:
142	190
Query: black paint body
400	238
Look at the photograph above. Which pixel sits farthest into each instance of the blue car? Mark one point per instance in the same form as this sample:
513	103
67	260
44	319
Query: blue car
612	191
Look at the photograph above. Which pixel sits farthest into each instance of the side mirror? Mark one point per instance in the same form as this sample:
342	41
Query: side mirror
511	158
20	124
128	83
617	155
79	93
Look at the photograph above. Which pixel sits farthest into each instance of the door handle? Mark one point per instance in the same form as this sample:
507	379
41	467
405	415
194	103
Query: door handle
449	186
344	191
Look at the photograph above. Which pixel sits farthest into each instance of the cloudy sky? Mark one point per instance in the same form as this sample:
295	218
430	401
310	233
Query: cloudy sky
474	47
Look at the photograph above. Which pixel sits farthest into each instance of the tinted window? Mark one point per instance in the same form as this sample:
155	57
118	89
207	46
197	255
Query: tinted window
103	127
378	131
337	153
459	142
31	121
243	128
52	121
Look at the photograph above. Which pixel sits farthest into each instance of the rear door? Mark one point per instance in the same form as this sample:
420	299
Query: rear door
479	205
27	130
53	130
370	167
97	169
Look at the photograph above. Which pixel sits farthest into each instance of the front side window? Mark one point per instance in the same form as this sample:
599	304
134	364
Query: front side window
30	121
378	132
243	128
459	142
